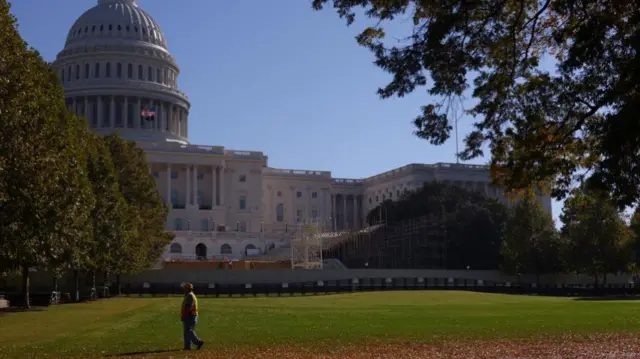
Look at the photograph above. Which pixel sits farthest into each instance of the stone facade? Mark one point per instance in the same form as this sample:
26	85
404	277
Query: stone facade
116	65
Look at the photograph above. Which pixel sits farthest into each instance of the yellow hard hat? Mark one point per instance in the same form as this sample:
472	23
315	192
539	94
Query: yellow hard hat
188	286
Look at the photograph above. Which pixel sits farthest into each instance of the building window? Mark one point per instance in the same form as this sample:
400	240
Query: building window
242	178
299	215
110	27
119	70
69	73
298	194
398	193
176	248
140	72
174	175
174	196
384	197
225	249
178	224
96	71
242	203
279	194
242	226
130	71
370	200
149	74
390	194
204	225
200	176
280	212
86	71
108	70
314	214
77	72
158	77
314	194
377	199
156	174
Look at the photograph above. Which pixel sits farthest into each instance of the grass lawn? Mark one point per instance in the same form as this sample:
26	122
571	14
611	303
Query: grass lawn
126	325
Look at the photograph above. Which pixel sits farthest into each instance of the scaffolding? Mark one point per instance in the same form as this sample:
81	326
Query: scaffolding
419	243
306	246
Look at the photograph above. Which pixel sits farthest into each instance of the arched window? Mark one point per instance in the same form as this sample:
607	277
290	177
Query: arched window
225	249
77	72
140	73
149	74
201	251
69	73
280	212
119	70
158	77
247	248
175	248
178	224
130	71
86	71
96	71
108	70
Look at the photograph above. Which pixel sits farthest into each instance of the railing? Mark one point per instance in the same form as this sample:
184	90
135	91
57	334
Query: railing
290	172
347	181
245	154
129	84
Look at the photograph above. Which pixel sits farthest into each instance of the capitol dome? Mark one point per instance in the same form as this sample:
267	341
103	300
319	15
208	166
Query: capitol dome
118	73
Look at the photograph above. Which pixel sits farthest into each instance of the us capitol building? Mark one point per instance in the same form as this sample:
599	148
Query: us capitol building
116	64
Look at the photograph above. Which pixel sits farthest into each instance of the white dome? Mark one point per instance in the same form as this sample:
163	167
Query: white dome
118	20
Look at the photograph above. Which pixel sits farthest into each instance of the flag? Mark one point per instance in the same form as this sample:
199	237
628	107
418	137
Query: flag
148	112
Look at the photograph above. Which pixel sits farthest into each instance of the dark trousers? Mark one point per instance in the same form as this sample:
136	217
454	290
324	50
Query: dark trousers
189	326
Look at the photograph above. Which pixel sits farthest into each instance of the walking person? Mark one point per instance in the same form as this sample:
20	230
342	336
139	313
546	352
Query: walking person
189	317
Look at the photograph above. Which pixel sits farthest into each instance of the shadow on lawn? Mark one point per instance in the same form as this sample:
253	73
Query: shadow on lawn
607	298
19	310
147	352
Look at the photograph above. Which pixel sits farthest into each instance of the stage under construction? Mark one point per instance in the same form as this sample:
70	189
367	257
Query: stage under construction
419	243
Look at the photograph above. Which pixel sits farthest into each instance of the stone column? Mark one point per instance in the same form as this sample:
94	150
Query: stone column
195	186
186	123
344	212
356	221
154	123
136	116
214	194
188	180
294	210
100	112
112	112
221	168
125	112
169	185
170	119
334	212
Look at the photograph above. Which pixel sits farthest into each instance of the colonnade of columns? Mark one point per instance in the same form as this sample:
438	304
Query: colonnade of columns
191	185
356	211
116	111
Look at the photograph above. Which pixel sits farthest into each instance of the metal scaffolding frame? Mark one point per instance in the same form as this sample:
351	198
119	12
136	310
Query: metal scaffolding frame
306	246
419	243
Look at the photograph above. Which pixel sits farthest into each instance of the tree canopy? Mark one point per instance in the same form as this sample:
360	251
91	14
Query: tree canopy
556	83
473	222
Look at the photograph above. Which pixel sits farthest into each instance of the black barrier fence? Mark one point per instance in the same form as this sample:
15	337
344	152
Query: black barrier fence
377	284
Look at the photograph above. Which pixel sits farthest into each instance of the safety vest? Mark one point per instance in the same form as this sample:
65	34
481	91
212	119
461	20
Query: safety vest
194	308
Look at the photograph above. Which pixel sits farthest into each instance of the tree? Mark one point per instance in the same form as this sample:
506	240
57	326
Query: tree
598	240
543	124
144	207
531	243
111	228
44	201
472	222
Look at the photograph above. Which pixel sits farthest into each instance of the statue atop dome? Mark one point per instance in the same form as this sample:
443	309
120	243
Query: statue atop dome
128	2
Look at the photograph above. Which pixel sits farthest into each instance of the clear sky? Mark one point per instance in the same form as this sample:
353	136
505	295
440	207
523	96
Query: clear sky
273	76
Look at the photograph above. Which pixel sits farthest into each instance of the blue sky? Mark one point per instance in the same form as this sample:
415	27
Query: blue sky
273	76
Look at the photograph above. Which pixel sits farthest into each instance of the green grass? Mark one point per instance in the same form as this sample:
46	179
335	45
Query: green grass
145	324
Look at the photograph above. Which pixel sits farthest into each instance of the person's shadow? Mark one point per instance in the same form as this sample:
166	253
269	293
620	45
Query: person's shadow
130	354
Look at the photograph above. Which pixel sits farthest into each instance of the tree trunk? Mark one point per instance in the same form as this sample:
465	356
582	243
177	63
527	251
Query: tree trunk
25	286
93	280
55	283
76	287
